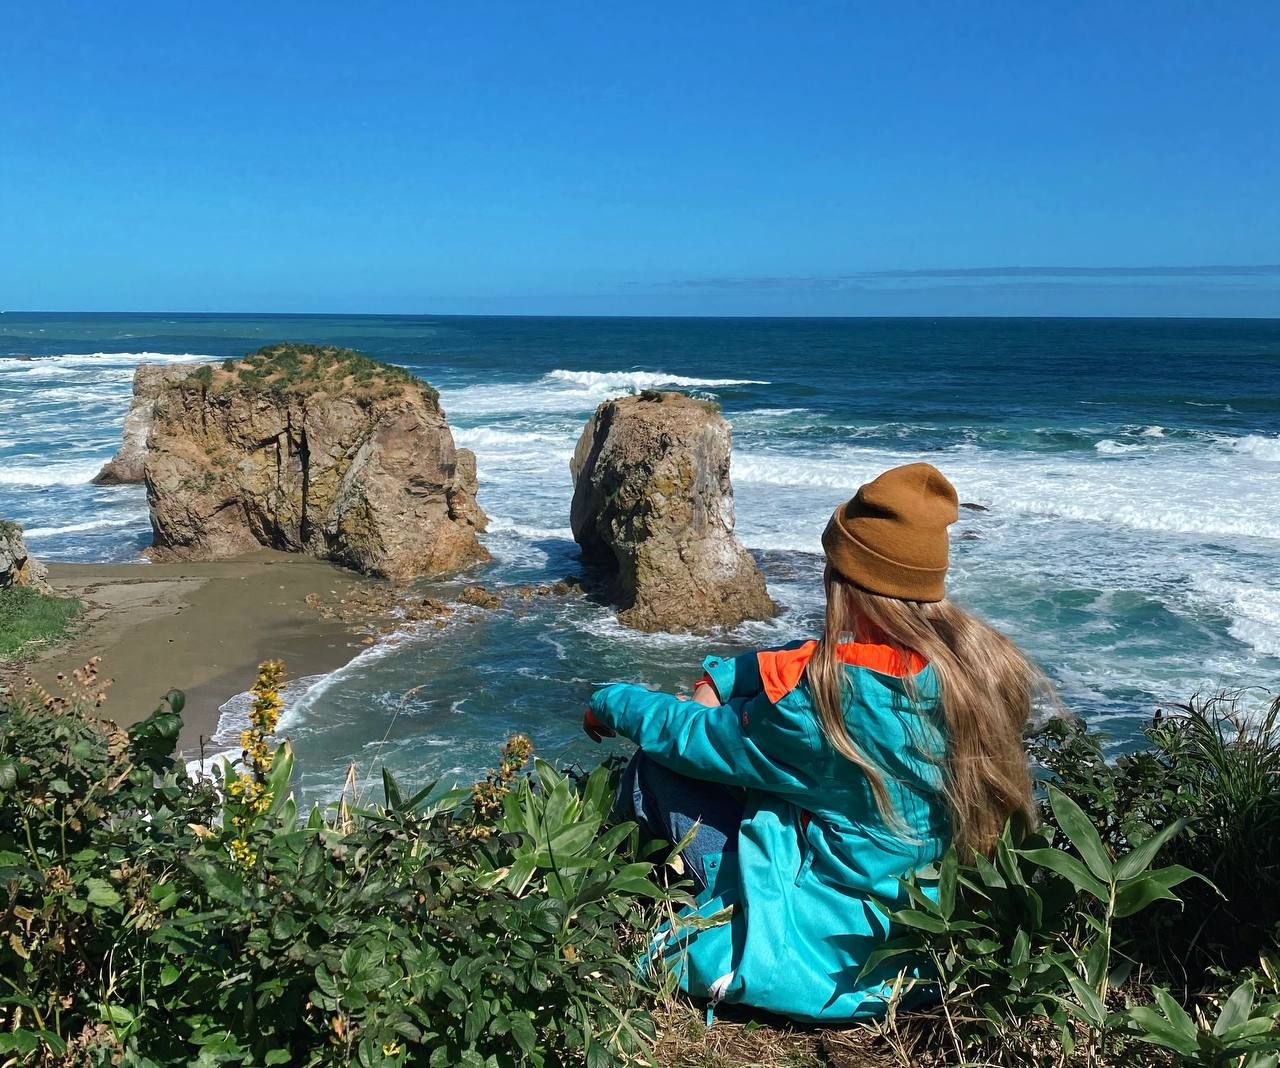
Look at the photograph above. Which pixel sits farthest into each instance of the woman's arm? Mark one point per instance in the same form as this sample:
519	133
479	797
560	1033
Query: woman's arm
703	741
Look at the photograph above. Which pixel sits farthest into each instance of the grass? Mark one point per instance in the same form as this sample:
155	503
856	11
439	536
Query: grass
286	368
737	1040
28	616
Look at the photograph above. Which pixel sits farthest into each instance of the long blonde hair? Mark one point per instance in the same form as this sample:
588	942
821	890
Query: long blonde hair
985	687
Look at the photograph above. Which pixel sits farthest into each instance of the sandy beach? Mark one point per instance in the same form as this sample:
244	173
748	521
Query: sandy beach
198	627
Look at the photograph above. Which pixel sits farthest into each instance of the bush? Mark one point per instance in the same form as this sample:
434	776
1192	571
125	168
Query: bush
1218	769
26	615
151	918
1063	947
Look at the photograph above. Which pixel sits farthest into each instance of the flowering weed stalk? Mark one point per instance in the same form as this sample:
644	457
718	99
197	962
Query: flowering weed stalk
250	789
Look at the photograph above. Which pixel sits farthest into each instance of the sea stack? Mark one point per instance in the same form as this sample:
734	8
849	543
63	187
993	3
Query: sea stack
653	507
310	449
17	566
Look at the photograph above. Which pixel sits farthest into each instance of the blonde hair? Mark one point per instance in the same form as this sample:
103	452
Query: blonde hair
985	688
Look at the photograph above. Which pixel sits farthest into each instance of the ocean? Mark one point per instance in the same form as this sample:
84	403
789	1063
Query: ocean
1128	472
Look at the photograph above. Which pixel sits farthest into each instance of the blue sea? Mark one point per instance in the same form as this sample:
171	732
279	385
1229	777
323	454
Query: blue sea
1129	471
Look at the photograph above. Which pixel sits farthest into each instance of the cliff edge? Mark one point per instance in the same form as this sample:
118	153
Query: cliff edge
653	505
310	449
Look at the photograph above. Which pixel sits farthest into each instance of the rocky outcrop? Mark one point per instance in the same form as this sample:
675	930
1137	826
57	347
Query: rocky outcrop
17	566
653	506
313	450
149	381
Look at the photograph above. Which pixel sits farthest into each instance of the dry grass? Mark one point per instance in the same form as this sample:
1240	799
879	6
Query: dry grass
735	1041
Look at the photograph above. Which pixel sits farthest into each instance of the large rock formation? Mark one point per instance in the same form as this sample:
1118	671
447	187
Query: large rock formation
149	381
17	566
314	450
653	505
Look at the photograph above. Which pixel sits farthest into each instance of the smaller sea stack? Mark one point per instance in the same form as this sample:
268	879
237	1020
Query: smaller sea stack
653	507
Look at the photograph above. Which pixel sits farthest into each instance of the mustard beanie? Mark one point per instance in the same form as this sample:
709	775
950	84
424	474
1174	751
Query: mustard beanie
891	538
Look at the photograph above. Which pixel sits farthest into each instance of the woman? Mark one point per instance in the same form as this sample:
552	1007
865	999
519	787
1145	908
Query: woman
825	771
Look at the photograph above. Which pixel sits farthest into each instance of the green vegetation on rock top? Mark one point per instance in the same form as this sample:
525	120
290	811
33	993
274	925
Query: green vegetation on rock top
7	528
286	367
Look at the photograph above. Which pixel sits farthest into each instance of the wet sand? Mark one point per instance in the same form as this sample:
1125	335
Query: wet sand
200	627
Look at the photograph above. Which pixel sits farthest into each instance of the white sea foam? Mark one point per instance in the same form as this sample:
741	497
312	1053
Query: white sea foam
53	473
1253	608
1152	432
95	360
1115	448
505	525
1259	446
571	391
128	520
624	381
483	437
1202	493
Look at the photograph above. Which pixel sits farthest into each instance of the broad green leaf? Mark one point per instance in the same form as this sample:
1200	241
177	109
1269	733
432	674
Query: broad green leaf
522	1031
1088	1005
923	921
990	876
390	791
1139	860
1175	1013
280	773
1139	894
1096	962
101	893
947	873
115	1014
1070	868
1082	833
1153	1028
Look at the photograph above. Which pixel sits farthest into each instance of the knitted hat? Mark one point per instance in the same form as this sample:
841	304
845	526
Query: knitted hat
891	538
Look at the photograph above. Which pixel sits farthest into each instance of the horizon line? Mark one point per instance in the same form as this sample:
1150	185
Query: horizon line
607	315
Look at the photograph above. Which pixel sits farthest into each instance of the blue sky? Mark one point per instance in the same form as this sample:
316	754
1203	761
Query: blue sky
745	158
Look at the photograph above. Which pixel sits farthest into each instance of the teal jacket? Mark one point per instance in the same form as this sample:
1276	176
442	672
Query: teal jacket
787	921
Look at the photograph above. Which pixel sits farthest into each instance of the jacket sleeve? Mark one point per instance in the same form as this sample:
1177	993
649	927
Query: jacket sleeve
739	676
704	743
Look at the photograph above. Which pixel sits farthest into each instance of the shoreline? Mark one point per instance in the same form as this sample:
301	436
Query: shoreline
200	627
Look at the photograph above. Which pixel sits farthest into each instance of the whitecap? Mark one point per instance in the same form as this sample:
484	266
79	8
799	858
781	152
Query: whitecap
48	474
1254	610
129	520
1259	446
637	380
97	360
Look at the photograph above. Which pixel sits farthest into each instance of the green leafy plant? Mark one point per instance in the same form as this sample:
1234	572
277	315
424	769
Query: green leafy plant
1246	1033
152	918
1028	934
1213	765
